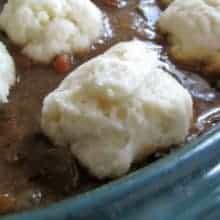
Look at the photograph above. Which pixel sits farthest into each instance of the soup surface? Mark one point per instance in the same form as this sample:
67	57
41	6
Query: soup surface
33	172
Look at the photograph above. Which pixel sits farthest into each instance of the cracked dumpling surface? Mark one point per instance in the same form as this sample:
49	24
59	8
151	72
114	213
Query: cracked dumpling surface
50	27
192	28
7	73
116	109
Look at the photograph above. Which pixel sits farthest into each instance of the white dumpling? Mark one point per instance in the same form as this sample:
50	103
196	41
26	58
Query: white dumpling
117	109
192	28
47	28
7	73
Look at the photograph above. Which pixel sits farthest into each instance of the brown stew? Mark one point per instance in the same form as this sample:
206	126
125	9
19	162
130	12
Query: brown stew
33	172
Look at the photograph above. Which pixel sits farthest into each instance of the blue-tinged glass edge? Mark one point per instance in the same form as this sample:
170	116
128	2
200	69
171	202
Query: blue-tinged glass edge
156	176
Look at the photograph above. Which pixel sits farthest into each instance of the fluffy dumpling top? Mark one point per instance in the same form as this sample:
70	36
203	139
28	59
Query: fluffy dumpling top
193	31
7	73
116	109
47	28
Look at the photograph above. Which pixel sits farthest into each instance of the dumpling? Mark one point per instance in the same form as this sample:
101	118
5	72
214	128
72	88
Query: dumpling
7	73
47	28
117	109
192	28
